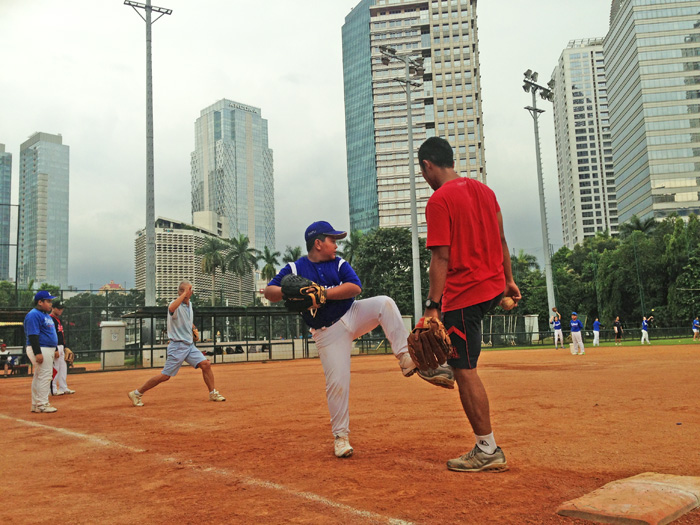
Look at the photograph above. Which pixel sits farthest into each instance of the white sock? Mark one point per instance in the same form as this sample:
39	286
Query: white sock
137	393
486	443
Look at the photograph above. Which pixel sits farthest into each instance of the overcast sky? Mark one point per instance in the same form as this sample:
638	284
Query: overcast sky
78	69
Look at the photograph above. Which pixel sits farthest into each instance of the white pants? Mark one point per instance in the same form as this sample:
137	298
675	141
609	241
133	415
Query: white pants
577	341
558	335
645	336
41	383
61	368
334	345
596	338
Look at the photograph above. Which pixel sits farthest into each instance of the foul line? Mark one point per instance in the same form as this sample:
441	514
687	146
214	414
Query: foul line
310	496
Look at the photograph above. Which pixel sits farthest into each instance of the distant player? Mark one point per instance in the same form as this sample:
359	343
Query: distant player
696	329
181	348
59	385
576	338
555	321
645	328
617	327
596	332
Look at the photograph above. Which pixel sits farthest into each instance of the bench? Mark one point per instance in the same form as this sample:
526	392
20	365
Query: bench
20	370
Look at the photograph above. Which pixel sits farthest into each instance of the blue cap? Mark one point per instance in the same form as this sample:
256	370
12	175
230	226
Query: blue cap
574	313
43	295
323	228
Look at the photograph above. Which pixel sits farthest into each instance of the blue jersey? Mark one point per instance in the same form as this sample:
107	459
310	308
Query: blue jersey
40	323
576	326
596	326
645	325
696	324
328	274
557	323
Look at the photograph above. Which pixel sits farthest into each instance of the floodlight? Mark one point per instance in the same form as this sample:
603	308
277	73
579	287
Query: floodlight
550	84
534	76
385	60
526	88
528	73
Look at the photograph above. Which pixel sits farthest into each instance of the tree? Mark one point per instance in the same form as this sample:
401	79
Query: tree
350	245
634	224
269	270
291	254
384	264
241	260
213	258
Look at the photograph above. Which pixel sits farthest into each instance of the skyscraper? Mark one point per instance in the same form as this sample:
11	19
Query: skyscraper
5	194
43	218
232	172
652	63
447	103
584	150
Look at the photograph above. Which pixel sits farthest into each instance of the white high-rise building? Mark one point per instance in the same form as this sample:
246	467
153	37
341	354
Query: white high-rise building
5	193
447	103
584	150
43	217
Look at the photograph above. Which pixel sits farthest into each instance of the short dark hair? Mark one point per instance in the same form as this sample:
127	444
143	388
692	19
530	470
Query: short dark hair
438	151
310	243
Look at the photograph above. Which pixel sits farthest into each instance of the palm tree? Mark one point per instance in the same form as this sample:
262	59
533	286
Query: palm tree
212	258
269	270
291	254
241	259
523	264
634	224
350	246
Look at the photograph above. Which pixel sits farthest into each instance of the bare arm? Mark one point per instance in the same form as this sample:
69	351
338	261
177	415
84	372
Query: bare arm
273	293
439	262
177	302
337	293
512	289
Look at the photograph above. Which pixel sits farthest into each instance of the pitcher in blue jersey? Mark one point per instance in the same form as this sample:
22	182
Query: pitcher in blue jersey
343	319
576	335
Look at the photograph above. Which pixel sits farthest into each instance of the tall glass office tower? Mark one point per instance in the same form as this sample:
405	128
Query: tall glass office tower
652	62
5	193
584	150
232	172
43	218
447	103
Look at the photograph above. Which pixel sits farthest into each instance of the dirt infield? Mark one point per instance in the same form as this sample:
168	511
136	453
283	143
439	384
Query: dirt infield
568	425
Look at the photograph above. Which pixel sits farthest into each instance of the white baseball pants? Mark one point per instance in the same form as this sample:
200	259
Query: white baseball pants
334	345
61	368
558	335
41	382
645	336
596	338
577	341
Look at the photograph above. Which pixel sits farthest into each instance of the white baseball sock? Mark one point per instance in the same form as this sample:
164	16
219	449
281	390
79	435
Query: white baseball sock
486	443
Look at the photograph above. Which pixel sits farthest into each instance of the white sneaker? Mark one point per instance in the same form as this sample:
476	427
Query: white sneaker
69	391
215	396
45	408
135	398
342	447
408	367
60	393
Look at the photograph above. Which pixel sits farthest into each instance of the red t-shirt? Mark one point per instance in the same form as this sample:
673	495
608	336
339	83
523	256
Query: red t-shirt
462	214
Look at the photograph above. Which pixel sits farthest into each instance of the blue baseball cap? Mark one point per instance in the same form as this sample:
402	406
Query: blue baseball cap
574	313
323	228
43	295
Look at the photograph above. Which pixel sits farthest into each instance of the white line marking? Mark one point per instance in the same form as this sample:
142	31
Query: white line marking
310	496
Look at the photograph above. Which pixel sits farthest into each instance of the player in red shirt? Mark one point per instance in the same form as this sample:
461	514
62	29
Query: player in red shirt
469	274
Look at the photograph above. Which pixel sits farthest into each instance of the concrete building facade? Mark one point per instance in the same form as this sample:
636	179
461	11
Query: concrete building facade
5	211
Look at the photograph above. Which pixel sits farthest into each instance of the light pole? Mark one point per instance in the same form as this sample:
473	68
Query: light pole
16	245
530	85
413	67
150	191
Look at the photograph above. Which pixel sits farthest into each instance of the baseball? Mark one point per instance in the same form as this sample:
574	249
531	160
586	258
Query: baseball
507	303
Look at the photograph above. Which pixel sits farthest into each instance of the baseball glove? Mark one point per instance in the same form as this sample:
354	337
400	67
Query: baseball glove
300	294
428	343
195	334
68	355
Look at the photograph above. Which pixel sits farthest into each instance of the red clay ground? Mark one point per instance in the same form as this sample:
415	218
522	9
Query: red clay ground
568	425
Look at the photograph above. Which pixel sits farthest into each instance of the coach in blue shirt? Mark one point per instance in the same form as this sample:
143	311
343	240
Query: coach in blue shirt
41	346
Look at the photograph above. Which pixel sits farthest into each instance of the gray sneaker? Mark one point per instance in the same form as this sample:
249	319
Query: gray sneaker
408	367
135	398
441	376
477	460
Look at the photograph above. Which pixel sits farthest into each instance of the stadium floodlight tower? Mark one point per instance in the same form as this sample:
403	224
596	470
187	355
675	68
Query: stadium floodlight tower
150	191
546	93
413	68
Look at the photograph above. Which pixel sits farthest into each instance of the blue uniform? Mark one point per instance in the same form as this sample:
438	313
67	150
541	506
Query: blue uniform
696	325
328	274
645	325
576	326
596	326
557	323
40	323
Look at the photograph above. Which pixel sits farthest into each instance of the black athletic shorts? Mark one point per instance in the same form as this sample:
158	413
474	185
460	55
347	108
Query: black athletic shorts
464	327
